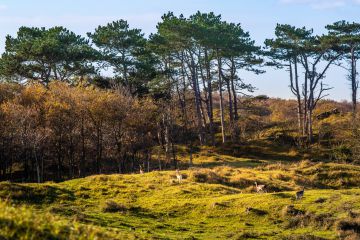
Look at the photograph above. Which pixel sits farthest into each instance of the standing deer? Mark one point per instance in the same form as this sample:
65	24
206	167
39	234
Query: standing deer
300	194
259	188
178	176
141	170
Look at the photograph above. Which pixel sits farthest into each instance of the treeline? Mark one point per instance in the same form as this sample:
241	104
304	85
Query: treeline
182	84
62	131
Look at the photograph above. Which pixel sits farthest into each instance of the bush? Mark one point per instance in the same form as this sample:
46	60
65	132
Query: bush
290	210
349	225
112	206
341	153
207	176
302	237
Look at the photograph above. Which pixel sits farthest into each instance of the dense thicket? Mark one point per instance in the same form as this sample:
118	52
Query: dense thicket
83	128
118	100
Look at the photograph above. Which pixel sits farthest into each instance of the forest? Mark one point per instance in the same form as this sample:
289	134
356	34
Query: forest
117	101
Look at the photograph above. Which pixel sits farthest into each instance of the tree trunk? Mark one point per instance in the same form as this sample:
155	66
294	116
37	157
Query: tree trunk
236	130
210	100
190	155
98	149
37	166
174	154
199	114
71	157
298	98
354	83
166	137
222	120
233	89
310	126
148	160
296	90
59	159
82	159
305	118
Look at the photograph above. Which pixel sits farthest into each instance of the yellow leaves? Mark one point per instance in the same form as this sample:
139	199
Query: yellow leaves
9	91
33	94
282	110
61	109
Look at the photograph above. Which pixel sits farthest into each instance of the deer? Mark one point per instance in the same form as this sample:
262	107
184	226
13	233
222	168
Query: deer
259	188
300	194
178	176
141	170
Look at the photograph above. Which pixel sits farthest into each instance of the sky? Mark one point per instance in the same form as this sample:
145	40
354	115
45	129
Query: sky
259	17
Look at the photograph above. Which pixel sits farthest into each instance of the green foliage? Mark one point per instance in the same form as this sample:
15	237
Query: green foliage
47	54
125	51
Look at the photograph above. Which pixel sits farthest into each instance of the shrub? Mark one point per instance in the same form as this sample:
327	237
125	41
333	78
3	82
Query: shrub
112	206
349	225
257	212
206	176
320	200
282	177
341	153
302	237
290	210
247	234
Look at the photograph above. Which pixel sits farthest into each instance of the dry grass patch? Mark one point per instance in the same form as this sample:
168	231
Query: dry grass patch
111	206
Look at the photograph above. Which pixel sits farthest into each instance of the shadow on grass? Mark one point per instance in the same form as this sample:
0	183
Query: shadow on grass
116	218
283	195
259	149
41	194
241	163
250	155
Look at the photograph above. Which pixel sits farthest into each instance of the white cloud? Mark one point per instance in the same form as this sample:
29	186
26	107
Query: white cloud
322	4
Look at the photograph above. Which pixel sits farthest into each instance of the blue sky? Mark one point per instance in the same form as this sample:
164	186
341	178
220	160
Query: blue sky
259	17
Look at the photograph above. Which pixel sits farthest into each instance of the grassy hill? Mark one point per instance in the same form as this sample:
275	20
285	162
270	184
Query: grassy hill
210	203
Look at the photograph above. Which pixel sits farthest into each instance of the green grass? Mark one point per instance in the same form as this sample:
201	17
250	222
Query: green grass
218	203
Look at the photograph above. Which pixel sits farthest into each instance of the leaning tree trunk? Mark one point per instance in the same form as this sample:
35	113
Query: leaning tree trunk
294	84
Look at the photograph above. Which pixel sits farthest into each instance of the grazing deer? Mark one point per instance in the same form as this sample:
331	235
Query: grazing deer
248	210
300	194
178	176
259	188
141	170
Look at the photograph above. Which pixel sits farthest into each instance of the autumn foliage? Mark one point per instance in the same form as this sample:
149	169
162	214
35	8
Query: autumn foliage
63	131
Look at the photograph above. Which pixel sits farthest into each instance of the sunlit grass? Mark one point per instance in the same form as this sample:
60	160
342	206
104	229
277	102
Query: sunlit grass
217	203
